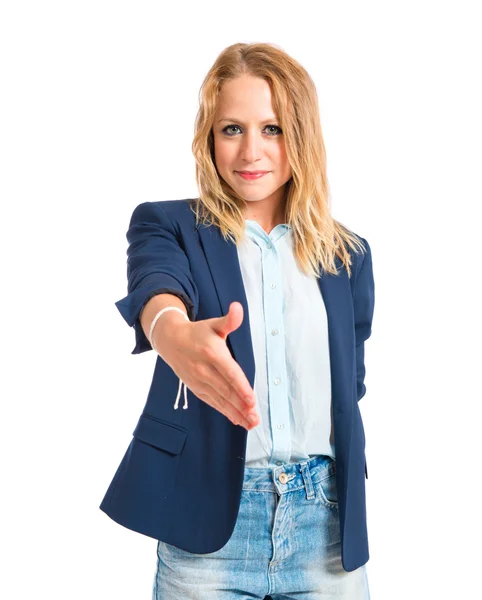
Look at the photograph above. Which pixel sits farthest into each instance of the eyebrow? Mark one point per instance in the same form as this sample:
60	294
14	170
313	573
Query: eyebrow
238	121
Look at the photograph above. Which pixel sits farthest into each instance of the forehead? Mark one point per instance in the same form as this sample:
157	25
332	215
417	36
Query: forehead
245	97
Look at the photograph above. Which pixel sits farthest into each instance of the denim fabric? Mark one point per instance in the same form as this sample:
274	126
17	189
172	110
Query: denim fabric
285	544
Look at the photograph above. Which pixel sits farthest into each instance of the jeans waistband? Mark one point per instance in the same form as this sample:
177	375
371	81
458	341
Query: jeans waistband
290	477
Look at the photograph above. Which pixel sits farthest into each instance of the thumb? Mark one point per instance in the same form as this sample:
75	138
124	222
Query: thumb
230	322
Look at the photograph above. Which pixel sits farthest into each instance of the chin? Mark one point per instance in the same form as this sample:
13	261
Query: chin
252	198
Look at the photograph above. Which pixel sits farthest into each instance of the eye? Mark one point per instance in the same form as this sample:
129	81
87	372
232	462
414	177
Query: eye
225	130
228	127
275	127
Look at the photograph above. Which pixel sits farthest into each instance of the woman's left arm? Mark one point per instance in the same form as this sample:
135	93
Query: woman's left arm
363	303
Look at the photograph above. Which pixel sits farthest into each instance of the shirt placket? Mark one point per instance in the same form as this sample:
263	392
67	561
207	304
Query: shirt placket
275	349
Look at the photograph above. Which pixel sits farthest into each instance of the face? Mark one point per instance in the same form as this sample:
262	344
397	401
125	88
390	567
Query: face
247	137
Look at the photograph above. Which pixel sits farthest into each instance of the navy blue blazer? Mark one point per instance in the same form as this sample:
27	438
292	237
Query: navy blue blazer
174	452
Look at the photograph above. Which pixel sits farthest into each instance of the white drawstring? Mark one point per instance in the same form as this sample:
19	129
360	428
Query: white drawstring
154	321
176	404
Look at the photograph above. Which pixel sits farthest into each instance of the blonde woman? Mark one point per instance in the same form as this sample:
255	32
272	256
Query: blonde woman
248	462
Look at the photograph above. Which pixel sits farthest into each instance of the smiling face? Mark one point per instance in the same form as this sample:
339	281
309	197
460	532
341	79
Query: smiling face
247	137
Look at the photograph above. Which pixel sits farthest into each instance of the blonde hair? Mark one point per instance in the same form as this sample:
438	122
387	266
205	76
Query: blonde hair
317	237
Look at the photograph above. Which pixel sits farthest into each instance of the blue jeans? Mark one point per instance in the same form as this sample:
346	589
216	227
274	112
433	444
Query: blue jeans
285	544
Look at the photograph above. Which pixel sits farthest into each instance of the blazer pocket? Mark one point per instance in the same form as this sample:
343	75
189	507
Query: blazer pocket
160	434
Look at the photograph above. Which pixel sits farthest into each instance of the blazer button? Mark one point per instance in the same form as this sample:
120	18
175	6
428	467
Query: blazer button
283	477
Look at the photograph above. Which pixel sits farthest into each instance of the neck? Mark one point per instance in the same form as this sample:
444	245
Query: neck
266	218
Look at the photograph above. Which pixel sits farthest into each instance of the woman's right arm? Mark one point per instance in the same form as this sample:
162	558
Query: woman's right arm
159	275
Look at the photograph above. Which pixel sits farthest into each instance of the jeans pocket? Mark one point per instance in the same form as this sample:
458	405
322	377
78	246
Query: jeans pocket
327	492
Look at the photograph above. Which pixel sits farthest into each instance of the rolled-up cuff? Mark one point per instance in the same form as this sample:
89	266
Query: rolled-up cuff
131	306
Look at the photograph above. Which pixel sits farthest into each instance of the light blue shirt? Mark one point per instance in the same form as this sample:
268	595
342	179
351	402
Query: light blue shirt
289	331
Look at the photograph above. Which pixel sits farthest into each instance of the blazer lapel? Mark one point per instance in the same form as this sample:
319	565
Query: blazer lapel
223	261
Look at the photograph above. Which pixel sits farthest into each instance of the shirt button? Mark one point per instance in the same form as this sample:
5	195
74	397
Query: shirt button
276	381
281	426
274	332
279	462
269	246
272	285
283	477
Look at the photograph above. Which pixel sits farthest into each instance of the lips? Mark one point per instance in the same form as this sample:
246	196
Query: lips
251	174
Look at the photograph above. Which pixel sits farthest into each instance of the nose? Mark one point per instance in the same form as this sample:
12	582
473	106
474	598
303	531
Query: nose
251	147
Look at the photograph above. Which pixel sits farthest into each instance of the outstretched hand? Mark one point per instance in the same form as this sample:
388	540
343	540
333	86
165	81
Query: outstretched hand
197	352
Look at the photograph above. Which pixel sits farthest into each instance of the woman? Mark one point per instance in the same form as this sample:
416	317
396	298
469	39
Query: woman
258	304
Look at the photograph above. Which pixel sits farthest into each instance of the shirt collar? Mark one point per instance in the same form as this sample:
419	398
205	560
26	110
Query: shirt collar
258	234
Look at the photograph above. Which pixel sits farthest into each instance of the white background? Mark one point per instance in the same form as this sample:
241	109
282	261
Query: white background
97	109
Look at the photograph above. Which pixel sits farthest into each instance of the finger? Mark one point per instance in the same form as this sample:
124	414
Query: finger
227	409
231	372
224	392
230	321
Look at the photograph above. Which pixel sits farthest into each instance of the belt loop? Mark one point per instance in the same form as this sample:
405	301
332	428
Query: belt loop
305	473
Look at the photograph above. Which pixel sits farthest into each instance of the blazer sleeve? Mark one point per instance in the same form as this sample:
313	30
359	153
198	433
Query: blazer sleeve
364	303
156	263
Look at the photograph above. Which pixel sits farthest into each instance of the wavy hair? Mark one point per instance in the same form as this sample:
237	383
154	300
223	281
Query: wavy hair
317	237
